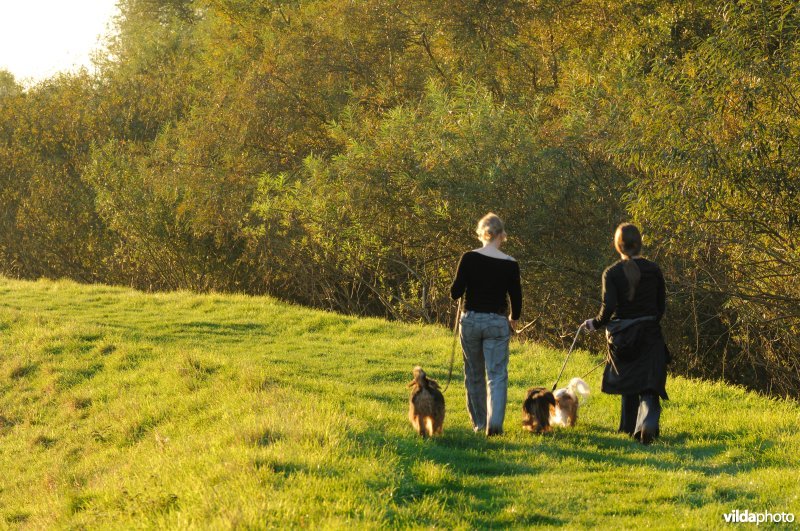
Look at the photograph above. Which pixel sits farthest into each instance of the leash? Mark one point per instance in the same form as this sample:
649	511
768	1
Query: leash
609	360
564	365
456	327
594	369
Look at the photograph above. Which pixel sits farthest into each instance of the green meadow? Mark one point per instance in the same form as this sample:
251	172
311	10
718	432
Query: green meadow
121	409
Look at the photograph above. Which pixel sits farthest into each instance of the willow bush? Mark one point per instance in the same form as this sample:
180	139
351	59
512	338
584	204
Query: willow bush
338	154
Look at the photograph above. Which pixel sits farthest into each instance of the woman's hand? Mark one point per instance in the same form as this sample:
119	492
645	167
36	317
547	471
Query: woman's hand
588	324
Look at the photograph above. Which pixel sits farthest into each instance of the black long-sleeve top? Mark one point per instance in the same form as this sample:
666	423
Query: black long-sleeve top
649	298
487	281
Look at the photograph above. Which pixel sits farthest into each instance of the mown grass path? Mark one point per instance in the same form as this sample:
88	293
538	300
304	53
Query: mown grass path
120	409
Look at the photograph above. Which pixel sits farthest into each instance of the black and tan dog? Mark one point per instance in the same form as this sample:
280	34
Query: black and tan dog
425	405
539	404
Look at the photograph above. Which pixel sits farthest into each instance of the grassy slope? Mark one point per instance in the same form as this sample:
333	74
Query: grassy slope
121	409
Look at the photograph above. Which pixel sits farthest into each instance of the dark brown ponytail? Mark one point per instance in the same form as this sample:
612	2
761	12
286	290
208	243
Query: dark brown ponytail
628	242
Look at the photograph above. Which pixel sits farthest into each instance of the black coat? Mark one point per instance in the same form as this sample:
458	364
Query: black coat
644	368
645	371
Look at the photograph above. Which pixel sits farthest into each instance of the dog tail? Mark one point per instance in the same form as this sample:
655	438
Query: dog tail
576	385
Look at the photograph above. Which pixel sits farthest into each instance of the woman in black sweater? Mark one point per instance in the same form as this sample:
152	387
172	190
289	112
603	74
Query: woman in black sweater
488	277
633	305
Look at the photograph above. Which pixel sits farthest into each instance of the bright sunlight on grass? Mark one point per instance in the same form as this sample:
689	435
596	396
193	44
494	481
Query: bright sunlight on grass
120	409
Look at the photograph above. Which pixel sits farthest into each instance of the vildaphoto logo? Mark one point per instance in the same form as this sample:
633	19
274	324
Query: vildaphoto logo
749	517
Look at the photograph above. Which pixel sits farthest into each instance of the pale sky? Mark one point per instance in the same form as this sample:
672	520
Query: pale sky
39	38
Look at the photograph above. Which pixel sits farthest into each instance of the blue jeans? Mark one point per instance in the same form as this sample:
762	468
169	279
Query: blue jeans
484	340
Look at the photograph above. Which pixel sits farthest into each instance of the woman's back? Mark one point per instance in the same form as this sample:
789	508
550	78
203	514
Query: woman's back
633	288
487	280
649	294
488	276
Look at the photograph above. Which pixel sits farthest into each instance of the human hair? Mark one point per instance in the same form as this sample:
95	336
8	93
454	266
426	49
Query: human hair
490	227
628	243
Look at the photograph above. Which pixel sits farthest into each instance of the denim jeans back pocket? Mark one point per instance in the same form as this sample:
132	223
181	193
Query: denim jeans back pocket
497	331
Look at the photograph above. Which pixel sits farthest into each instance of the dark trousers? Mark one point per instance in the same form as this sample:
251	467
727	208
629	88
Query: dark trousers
640	414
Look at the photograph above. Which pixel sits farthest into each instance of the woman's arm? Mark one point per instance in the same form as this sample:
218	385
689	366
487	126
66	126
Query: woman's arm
460	282
609	301
515	293
661	295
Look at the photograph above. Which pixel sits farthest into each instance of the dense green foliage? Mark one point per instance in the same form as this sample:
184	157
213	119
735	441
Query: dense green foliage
124	410
337	153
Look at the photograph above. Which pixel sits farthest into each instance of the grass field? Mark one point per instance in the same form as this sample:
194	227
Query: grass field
120	409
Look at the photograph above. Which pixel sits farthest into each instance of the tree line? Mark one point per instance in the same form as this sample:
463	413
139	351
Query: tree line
337	154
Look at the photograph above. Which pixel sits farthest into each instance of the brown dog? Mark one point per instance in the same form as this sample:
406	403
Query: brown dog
425	405
536	410
566	410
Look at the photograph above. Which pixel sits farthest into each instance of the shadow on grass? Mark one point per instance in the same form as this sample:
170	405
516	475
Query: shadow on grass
70	377
221	329
463	467
285	469
383	398
671	452
23	371
384	376
467	466
169	332
209	329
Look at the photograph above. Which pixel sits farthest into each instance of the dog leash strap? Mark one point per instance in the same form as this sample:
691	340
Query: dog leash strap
564	365
594	369
456	326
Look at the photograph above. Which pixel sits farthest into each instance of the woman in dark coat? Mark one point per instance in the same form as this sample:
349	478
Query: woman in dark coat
633	305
